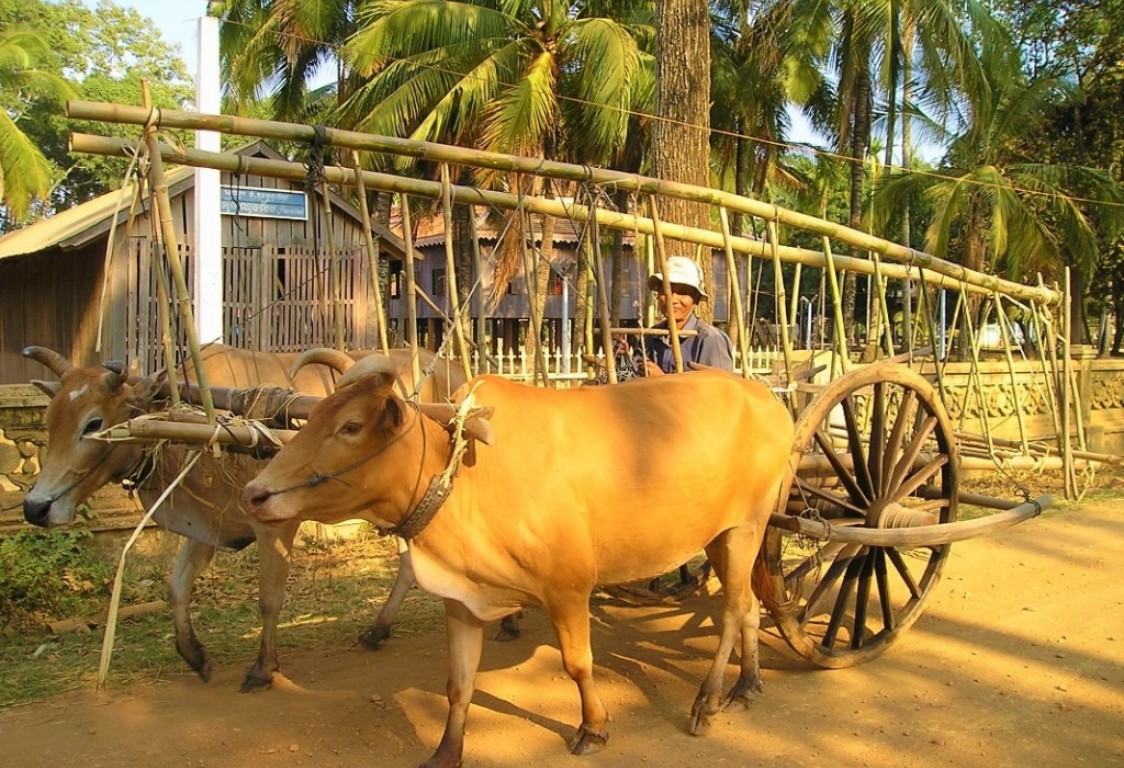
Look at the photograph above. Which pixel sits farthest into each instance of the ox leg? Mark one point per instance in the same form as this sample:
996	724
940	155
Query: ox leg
193	557
571	623
378	632
465	636
275	547
731	556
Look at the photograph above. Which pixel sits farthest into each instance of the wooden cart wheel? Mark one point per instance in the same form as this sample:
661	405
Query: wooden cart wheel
874	448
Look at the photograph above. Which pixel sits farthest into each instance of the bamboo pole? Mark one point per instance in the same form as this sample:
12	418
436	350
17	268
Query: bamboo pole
883	306
164	311
119	113
594	234
607	218
735	291
1067	388
411	286
661	253
782	311
159	185
451	273
530	277
372	253
839	332
333	268
478	268
1004	333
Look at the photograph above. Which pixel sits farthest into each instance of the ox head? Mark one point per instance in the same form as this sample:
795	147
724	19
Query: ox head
363	453
83	402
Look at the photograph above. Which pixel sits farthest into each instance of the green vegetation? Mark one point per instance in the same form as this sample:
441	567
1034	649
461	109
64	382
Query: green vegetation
335	591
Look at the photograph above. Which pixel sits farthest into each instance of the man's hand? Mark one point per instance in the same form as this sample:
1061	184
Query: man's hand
651	369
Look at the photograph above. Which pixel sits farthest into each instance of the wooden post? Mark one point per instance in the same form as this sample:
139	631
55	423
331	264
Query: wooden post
164	311
372	253
451	273
171	247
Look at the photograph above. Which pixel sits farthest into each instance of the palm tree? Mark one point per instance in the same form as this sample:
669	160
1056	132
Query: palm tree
997	209
272	50
24	172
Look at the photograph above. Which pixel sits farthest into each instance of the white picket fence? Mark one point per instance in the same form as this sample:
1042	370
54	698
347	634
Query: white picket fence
568	369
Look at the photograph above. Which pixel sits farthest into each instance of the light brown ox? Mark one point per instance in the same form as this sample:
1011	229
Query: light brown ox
204	509
587	486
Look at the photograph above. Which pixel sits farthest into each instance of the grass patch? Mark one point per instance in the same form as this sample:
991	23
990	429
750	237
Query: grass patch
335	590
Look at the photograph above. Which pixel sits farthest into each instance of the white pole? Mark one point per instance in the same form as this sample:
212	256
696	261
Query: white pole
565	318
207	224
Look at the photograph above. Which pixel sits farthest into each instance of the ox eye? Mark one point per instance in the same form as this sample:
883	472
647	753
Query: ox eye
351	427
93	425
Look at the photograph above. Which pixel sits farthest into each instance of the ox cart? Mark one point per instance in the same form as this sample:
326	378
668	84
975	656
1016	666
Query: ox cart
872	499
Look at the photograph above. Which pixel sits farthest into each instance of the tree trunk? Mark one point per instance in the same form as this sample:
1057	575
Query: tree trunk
382	215
681	134
860	140
616	250
463	261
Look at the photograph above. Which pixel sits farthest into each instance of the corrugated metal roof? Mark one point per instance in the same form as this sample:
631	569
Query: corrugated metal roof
77	226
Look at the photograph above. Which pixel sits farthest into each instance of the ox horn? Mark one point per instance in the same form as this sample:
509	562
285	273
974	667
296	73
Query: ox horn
58	364
333	358
115	375
371	364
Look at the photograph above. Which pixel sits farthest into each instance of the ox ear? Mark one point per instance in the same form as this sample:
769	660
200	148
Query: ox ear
476	426
147	389
48	388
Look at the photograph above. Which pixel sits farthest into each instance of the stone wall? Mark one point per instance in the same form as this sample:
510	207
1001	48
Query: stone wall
23	436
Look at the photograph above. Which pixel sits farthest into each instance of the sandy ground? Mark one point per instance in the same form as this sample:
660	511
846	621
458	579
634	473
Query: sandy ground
1018	661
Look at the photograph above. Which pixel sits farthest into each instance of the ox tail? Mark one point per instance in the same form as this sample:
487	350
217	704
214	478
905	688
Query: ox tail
762	584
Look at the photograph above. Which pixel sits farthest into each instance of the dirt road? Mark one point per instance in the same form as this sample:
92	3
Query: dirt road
1019	661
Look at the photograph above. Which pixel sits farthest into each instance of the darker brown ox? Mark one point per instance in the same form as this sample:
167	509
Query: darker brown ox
204	509
579	487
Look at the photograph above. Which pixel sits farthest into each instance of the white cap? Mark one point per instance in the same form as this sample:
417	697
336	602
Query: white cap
680	271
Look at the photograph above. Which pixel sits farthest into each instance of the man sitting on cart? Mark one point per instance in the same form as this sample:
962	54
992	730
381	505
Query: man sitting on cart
710	347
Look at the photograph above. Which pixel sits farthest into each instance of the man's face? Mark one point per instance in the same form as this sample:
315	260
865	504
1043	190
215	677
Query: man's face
682	302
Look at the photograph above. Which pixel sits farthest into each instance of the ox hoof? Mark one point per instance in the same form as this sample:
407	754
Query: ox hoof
254	684
197	658
587	742
374	637
741	694
509	628
701	714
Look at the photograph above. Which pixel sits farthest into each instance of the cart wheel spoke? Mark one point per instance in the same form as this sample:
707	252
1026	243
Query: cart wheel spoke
907	411
862	598
855	445
831	498
841	471
888	621
877	443
903	571
838	611
916	445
